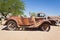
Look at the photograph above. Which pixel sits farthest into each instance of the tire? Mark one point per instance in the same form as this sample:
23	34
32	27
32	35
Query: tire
12	25
45	27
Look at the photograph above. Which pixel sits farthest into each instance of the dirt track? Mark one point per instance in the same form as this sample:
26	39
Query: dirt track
53	34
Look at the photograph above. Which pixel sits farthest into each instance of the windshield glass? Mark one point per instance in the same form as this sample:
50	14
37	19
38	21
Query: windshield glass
41	15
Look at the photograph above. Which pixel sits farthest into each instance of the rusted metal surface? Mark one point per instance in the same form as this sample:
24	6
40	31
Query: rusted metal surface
31	22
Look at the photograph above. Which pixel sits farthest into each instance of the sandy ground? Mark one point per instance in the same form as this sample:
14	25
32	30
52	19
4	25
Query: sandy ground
53	34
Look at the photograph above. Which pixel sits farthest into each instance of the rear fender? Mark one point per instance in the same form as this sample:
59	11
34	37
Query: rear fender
16	19
10	20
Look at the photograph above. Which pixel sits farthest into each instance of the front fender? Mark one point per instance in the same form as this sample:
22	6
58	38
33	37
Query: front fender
45	21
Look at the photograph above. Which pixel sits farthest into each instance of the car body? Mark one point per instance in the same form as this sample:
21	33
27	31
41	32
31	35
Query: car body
28	22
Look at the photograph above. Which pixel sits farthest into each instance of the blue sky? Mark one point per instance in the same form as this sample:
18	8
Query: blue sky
49	7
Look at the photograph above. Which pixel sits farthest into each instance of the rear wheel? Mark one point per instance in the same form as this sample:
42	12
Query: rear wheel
12	25
45	27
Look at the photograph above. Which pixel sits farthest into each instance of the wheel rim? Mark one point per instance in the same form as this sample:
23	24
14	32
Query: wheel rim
11	25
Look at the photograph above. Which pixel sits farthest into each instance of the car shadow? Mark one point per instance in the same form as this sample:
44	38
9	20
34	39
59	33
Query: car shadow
27	29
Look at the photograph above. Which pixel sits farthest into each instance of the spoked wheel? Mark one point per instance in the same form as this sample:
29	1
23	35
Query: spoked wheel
12	25
45	27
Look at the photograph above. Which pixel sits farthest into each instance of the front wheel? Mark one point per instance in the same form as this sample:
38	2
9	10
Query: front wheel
45	27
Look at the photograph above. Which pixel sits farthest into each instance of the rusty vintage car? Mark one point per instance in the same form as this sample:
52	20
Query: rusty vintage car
21	23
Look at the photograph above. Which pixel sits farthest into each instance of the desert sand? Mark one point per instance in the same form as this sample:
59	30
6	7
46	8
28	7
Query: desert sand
53	34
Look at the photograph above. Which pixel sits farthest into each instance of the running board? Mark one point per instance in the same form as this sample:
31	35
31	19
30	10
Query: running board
36	25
